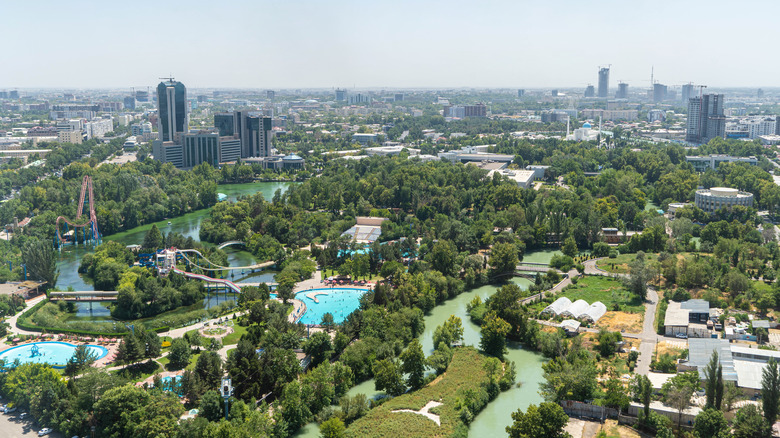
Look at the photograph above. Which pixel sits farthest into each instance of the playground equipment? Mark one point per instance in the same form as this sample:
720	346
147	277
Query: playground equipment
90	226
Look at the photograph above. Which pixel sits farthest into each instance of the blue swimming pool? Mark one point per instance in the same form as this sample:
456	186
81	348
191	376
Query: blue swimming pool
339	302
54	353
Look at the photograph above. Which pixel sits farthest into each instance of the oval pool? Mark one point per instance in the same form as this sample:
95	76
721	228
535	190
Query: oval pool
338	301
54	353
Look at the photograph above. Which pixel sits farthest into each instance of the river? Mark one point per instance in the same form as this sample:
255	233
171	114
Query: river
497	414
188	225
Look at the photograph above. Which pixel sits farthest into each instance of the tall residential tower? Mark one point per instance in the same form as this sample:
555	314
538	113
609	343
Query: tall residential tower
603	82
706	119
173	112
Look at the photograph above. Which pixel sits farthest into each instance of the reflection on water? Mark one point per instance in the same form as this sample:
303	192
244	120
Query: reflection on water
92	309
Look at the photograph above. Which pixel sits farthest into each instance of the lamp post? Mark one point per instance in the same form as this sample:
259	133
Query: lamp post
227	390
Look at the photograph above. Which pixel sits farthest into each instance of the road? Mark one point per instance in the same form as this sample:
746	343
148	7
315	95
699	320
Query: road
648	337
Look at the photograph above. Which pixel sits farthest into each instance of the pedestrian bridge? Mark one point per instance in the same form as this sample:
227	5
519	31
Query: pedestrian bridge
90	295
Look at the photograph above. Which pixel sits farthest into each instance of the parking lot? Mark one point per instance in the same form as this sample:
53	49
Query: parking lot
12	427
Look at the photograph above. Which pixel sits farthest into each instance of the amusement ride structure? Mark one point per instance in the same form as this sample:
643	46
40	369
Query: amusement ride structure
165	261
90	232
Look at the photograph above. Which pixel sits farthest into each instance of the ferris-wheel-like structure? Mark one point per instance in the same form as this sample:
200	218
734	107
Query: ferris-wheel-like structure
89	225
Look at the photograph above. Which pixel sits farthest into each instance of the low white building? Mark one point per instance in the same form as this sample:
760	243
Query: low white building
523	178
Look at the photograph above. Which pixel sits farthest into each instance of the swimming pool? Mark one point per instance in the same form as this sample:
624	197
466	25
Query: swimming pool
54	353
339	302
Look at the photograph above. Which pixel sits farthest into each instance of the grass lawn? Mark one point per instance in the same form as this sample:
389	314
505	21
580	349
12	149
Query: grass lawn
464	373
330	273
138	371
607	290
620	264
232	338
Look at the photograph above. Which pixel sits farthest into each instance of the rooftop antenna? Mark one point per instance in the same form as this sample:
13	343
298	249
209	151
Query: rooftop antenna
170	79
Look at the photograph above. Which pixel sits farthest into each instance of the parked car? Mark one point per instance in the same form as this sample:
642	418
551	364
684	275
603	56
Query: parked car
44	431
10	410
23	415
681	336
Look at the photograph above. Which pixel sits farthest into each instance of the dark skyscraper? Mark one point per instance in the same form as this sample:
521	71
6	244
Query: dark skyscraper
341	95
129	102
225	122
520	93
173	112
603	81
687	92
706	119
590	91
622	92
251	127
659	92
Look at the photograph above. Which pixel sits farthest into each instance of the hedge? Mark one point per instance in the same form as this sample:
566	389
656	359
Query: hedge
22	323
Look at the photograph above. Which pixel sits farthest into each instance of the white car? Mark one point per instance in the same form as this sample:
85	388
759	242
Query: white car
44	431
10	410
23	415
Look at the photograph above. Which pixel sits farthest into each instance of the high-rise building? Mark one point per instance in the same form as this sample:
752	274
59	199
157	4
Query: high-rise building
687	92
520	93
173	110
399	97
358	98
622	92
478	110
251	128
142	96
270	94
129	102
603	81
3	95
208	146
760	93
13	94
590	91
341	95
554	93
659	92
706	119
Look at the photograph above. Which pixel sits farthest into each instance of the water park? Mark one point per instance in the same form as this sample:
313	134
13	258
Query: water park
53	353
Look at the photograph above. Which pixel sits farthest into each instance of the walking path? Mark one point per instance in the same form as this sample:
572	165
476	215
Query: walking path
424	411
12	320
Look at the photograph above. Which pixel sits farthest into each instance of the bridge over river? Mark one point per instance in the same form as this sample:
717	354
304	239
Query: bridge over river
90	295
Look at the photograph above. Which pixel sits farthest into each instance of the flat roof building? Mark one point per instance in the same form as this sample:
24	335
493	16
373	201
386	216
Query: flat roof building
712	161
715	198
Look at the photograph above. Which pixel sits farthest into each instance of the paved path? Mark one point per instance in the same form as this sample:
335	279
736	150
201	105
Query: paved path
557	288
12	320
648	336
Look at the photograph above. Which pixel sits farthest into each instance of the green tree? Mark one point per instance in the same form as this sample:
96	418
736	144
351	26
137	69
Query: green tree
208	368
642	389
179	355
616	395
413	364
153	239
494	331
770	391
295	410
503	259
639	275
130	349
451	332
332	428
82	357
388	377
443	257
153	345
327	321
319	347
211	406
748	423
41	261
713	374
547	420
710	423
608	342
570	247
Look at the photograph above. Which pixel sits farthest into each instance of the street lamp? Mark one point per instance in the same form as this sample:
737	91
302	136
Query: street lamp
227	390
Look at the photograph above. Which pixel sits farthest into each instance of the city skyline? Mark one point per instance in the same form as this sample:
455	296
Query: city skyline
379	44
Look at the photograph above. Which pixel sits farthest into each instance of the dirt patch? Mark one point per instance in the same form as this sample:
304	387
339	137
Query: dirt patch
667	347
622	321
612	429
436	380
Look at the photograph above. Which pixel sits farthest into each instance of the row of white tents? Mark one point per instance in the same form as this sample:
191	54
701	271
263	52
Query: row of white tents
579	309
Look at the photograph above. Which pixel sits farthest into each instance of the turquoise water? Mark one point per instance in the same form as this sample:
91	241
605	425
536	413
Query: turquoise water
339	302
54	353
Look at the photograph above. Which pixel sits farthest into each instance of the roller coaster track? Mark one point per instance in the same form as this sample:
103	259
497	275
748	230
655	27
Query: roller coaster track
87	194
216	267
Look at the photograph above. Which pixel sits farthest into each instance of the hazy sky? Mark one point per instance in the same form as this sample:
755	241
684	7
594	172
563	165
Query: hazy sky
399	43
